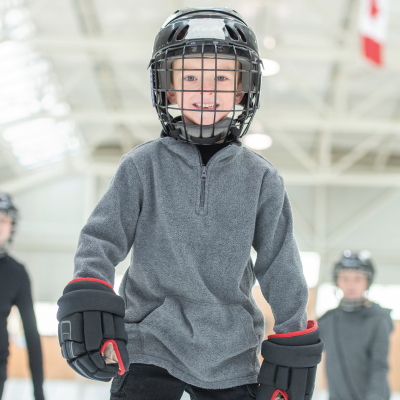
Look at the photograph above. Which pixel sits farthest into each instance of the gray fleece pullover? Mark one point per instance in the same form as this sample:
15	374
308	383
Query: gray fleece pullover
188	290
357	345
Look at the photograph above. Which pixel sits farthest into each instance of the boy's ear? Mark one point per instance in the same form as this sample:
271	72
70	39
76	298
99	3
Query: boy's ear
171	95
239	96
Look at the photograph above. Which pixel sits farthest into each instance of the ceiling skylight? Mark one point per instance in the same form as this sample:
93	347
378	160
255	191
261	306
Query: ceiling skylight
42	141
27	87
30	96
15	23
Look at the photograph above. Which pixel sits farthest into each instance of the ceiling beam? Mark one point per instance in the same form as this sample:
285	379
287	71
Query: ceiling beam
384	153
351	179
375	98
363	216
146	117
292	146
127	48
357	153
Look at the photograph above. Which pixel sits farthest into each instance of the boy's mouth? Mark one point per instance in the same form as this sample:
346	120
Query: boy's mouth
206	106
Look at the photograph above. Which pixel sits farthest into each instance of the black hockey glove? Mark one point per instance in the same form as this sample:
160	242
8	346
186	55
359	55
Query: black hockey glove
290	364
91	329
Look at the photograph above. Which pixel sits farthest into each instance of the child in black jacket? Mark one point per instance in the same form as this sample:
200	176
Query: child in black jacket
15	289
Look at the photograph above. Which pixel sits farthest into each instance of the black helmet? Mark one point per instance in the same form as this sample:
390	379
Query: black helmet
206	33
359	261
8	207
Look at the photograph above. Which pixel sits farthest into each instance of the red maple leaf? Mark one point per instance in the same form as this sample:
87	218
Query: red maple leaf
374	9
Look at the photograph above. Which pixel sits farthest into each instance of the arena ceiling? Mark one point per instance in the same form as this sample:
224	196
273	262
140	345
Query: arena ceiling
333	117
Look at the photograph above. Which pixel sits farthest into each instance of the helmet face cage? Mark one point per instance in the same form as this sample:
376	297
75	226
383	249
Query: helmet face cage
247	71
355	261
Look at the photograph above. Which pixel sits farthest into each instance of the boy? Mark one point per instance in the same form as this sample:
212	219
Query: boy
15	289
190	205
356	335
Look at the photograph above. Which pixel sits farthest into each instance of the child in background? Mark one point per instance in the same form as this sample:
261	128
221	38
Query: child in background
356	334
191	204
15	289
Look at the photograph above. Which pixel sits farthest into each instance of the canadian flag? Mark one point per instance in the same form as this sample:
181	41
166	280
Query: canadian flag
374	15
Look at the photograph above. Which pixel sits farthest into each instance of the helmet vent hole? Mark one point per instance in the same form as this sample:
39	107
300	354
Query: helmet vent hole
231	32
241	34
171	36
182	33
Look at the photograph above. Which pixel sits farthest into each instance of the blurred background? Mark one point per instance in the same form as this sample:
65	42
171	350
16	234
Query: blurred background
75	96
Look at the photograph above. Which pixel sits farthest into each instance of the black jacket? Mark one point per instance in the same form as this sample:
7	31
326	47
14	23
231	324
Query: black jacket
15	289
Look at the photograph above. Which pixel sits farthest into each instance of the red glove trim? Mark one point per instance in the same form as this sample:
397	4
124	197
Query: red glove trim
92	279
311	327
284	394
121	370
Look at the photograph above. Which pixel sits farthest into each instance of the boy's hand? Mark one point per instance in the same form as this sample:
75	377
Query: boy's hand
91	331
110	357
290	363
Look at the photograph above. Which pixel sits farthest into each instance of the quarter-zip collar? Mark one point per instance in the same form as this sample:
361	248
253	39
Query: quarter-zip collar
190	153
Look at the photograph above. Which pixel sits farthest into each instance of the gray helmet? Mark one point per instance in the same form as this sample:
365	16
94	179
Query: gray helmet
201	33
359	261
7	206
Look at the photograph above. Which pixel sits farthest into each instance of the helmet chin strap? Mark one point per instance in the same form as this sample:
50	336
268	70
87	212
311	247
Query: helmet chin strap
3	249
352	305
210	133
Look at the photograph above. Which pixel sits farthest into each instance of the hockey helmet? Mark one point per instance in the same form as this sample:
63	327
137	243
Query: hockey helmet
359	261
206	33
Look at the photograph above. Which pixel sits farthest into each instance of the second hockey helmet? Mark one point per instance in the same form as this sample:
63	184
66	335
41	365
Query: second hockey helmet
359	261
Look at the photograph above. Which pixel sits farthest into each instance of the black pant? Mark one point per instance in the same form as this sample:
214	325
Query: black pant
149	382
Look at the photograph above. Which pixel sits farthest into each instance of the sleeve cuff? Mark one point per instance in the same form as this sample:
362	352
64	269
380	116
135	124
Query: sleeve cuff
93	280
311	327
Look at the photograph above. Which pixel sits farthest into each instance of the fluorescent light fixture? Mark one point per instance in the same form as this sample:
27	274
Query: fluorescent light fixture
311	263
269	42
257	141
271	67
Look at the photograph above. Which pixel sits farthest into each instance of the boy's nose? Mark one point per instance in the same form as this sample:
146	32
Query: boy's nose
208	85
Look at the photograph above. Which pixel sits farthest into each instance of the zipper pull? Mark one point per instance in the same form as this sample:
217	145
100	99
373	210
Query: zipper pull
203	173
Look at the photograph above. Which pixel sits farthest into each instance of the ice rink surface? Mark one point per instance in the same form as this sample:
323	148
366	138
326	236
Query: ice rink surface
21	389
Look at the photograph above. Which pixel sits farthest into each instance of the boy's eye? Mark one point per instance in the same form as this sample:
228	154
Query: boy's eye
190	78
221	78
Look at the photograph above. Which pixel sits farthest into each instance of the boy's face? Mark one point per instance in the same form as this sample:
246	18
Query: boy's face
5	227
192	80
353	283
